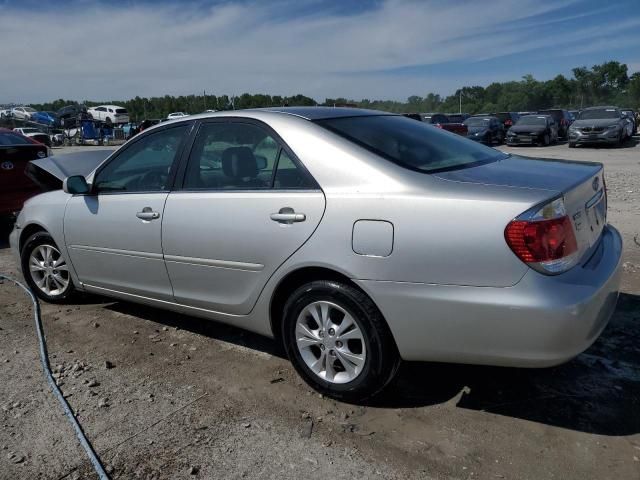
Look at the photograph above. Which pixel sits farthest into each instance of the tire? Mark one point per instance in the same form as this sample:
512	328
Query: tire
34	250
546	140
572	145
369	341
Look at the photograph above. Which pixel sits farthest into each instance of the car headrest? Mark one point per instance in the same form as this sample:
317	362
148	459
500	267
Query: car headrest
239	162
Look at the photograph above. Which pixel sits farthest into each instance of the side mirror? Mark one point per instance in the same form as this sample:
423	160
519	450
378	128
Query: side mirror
76	185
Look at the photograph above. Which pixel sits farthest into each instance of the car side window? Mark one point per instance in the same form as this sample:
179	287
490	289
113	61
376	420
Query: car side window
291	176
145	166
231	156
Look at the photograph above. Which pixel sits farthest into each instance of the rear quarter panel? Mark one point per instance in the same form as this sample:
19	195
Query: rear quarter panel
444	232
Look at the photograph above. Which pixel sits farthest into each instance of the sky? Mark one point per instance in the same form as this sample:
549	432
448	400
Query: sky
376	49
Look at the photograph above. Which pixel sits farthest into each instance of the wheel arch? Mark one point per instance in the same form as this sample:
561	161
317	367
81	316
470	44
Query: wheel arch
29	230
298	277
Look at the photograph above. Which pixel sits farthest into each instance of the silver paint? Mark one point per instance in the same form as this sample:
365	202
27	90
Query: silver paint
450	290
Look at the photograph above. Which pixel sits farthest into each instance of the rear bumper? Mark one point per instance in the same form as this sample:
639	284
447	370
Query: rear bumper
541	321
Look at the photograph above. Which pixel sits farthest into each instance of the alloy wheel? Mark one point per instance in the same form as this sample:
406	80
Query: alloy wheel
49	270
330	342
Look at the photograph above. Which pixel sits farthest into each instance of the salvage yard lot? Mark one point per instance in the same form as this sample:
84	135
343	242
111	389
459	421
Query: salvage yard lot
186	398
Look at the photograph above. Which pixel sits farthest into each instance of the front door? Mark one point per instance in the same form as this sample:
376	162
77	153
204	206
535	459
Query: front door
114	235
247	204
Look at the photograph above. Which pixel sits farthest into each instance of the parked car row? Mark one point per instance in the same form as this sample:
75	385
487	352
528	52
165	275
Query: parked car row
110	114
609	125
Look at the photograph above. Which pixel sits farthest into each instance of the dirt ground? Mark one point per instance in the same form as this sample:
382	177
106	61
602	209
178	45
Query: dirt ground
186	398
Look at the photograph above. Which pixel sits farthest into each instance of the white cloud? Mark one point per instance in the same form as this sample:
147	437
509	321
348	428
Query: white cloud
96	51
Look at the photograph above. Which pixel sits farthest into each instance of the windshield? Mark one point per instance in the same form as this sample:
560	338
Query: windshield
29	109
599	113
30	130
532	120
411	144
456	118
477	122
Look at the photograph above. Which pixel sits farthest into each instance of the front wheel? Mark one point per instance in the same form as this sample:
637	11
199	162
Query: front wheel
46	270
338	341
572	145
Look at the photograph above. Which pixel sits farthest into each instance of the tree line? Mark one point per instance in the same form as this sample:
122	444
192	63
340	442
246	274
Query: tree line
606	84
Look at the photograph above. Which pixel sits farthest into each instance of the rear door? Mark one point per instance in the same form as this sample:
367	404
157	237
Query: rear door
114	234
247	204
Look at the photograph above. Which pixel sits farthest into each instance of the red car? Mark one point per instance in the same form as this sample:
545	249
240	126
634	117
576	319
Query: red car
16	151
442	121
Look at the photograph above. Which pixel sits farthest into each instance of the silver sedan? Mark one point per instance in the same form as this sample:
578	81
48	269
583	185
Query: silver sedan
355	238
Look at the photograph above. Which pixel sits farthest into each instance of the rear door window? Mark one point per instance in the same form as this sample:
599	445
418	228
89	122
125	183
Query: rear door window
241	156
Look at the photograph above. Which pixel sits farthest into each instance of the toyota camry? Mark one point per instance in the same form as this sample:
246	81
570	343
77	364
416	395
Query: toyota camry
355	238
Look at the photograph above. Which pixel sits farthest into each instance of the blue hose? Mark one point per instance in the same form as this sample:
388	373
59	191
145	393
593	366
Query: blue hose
44	357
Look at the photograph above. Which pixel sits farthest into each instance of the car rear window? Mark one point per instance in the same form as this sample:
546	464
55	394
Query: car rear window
414	145
7	138
121	110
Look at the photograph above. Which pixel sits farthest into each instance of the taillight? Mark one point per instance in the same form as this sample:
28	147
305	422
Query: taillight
508	123
544	239
438	125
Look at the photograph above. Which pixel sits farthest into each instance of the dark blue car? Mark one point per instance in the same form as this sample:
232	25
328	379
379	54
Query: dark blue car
46	118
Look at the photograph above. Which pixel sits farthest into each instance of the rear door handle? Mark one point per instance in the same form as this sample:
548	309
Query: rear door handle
288	216
147	214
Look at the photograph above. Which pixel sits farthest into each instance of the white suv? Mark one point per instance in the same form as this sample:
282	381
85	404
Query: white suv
110	114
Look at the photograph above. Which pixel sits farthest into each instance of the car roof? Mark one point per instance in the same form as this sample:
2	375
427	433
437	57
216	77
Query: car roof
601	108
322	113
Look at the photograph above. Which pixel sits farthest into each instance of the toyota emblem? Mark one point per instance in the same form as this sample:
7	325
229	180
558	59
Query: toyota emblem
6	166
596	184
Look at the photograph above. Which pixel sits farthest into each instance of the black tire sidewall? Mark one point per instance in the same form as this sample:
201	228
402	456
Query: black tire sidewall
381	360
32	242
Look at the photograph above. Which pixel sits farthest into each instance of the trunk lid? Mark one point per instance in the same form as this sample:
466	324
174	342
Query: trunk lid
581	184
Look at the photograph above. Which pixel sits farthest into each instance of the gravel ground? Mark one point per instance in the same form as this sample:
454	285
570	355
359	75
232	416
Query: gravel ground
167	396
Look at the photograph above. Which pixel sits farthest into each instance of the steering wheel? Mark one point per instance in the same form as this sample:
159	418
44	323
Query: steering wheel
153	178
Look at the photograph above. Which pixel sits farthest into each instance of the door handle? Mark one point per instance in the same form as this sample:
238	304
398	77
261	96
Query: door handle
288	216
147	214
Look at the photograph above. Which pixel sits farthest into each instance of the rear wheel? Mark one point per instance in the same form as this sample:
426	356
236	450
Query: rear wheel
572	145
546	141
338	341
46	270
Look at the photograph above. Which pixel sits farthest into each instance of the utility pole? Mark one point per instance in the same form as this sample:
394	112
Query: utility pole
204	98
460	97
